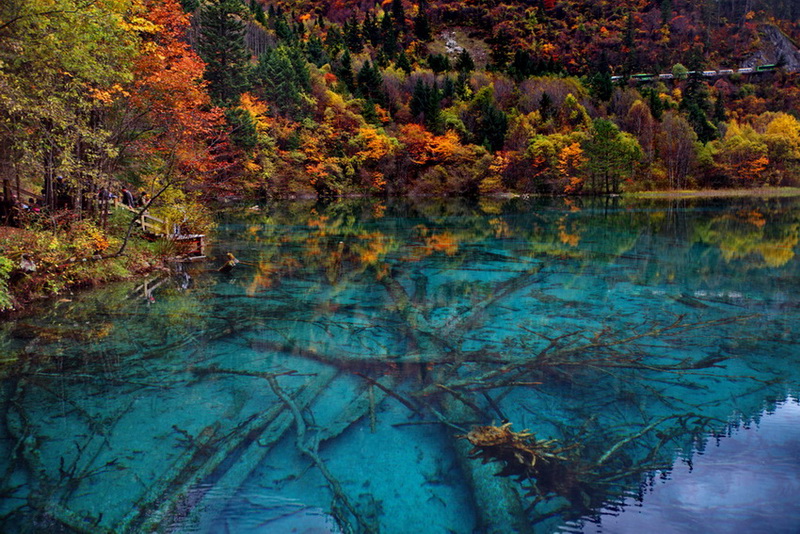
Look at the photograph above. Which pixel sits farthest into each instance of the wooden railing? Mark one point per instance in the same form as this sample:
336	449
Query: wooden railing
24	194
157	227
153	225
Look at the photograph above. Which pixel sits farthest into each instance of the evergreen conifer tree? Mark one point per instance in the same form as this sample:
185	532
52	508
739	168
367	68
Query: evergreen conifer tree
398	15
283	30
371	31
422	26
243	132
260	16
695	101
315	52
389	36
426	103
222	47
282	76
334	41
352	35
369	83
464	62
402	62
345	71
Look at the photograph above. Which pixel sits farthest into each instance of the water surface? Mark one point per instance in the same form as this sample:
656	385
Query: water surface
324	383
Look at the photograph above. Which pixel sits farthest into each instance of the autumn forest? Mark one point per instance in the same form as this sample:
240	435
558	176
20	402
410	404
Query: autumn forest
186	102
328	98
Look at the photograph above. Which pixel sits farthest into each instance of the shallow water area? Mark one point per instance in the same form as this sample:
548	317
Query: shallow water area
370	366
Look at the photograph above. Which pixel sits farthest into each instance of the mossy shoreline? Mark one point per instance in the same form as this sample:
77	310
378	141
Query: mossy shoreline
756	192
69	257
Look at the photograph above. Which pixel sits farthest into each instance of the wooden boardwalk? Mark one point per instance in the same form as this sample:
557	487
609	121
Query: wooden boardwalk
191	245
163	229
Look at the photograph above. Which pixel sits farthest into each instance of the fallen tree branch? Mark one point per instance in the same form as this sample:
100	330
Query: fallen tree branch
303	447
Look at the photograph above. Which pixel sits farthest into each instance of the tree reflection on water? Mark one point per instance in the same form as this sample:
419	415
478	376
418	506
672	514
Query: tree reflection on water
340	361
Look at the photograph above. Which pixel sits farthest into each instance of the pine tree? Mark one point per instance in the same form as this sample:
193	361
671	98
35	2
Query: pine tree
695	101
369	83
488	123
720	115
546	106
402	62
283	30
260	16
422	26
190	6
631	58
654	102
611	156
389	36
398	15
222	47
371	31
282	76
439	63
352	35
243	132
666	11
345	71
315	52
464	62
426	103
334	41
601	85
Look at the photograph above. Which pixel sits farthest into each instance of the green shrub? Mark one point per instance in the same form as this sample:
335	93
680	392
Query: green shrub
6	265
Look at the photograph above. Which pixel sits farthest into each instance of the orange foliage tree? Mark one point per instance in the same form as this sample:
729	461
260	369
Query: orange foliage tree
425	148
173	123
743	155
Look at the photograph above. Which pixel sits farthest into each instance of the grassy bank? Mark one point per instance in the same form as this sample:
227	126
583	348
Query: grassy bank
760	192
69	254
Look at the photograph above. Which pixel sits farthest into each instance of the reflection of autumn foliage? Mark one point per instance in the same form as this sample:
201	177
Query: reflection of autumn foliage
371	247
754	217
343	241
263	278
432	243
445	243
571	239
751	233
501	228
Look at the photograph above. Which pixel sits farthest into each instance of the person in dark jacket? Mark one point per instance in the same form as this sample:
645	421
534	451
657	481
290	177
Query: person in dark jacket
127	198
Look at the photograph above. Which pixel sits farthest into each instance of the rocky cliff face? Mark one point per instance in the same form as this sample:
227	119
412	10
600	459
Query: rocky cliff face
776	47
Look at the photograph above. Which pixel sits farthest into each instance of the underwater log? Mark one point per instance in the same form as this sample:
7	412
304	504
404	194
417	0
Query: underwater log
499	503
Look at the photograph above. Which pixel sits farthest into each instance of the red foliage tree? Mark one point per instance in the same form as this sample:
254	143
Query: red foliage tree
176	121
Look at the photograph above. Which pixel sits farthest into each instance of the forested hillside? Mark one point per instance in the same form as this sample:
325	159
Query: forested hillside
283	98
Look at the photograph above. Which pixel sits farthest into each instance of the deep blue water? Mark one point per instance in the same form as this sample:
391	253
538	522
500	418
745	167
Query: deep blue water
322	385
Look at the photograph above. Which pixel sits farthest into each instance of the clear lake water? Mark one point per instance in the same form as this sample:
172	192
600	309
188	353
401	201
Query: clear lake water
639	360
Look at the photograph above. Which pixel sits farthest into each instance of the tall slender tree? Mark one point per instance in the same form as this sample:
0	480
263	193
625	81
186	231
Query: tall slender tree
222	47
422	25
611	156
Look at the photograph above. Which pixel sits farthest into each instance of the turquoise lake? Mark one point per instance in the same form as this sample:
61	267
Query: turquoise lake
540	366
